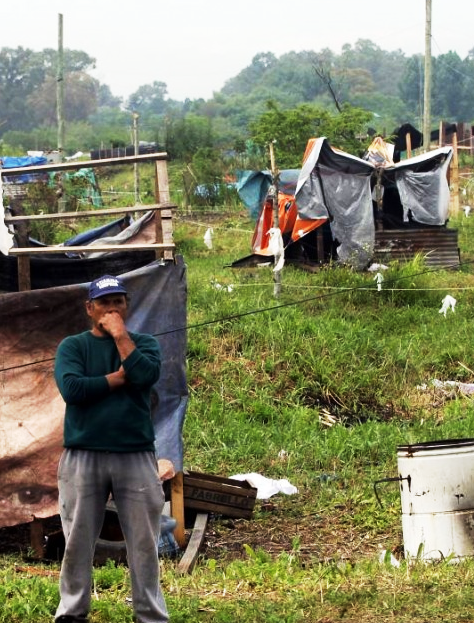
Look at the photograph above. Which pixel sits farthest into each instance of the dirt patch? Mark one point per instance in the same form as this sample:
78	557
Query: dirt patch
315	538
273	529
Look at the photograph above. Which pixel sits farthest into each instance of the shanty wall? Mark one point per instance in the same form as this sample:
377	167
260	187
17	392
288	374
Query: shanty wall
31	409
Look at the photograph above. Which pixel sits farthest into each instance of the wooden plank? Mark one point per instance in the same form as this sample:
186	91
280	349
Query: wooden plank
88	249
454	203
188	560
24	273
85	213
177	507
163	230
37	537
82	164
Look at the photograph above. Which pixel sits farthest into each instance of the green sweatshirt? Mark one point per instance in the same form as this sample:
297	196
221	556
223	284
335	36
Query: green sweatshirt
97	418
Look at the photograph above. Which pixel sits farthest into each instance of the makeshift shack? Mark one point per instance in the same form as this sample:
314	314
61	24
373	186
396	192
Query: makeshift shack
357	210
34	321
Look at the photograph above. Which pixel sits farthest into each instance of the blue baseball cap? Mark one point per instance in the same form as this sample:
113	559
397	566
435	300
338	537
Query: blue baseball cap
107	284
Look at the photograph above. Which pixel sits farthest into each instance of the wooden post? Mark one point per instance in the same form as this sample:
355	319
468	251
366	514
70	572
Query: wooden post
22	232
320	244
177	507
60	113
276	224
37	537
24	273
408	142
454	204
379	199
427	81
60	90
135	166
442	134
163	224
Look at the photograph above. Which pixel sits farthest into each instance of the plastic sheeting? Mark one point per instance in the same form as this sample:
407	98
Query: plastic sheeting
423	187
253	186
12	162
31	408
65	268
336	185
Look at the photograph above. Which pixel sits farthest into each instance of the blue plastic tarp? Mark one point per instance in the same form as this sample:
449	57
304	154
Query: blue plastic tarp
253	187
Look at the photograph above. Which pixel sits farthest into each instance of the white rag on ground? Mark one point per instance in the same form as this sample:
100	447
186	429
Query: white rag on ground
449	302
266	487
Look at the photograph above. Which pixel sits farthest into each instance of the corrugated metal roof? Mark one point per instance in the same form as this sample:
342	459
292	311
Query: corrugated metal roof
439	246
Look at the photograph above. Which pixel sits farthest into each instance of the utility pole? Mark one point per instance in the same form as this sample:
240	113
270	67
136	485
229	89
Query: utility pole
60	90
135	166
427	87
60	112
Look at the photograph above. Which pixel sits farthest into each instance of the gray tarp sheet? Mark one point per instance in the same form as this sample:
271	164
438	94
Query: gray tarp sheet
31	408
336	185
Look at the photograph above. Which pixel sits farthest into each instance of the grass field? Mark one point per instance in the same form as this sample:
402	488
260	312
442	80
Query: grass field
320	387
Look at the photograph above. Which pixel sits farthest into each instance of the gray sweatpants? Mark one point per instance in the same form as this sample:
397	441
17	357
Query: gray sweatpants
85	480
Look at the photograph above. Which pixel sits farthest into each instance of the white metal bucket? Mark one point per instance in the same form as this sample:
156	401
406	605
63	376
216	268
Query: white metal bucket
437	497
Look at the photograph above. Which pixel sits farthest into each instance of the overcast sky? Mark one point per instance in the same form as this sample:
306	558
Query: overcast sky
195	46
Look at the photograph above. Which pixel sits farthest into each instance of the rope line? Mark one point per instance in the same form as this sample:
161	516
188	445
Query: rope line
273	308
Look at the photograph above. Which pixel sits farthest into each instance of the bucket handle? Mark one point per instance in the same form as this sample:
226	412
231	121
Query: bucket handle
393	479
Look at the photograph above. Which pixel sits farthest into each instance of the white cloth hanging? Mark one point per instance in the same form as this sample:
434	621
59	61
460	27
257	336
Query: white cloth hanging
276	248
208	237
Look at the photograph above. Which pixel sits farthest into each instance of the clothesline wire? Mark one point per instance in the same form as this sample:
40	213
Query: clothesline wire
305	300
266	309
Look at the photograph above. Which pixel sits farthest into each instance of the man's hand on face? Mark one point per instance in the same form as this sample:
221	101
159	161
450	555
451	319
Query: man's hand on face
112	323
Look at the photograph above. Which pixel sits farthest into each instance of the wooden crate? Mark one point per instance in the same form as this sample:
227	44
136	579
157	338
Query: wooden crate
215	494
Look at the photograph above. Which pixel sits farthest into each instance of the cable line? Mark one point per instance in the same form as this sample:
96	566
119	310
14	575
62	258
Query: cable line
268	309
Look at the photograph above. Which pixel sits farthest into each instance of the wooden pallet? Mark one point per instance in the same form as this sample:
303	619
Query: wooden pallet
215	494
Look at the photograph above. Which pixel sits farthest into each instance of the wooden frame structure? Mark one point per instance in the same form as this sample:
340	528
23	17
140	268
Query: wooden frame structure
163	245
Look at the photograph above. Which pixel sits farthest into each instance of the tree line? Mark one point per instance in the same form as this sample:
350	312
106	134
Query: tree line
297	95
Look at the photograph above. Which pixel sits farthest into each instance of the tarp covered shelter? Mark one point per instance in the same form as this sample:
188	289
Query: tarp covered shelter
337	190
65	268
31	408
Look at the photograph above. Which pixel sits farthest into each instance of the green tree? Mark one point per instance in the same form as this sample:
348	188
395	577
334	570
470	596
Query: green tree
451	90
28	87
106	99
185	135
149	98
251	75
80	98
20	75
412	84
288	130
385	68
74	60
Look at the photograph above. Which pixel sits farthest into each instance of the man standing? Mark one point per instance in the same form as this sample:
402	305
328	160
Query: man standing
105	376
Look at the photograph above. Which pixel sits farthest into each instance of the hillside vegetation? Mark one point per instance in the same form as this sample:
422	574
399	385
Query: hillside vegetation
385	84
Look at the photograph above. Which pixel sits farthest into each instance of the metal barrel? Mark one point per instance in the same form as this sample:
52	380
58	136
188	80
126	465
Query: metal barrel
437	498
